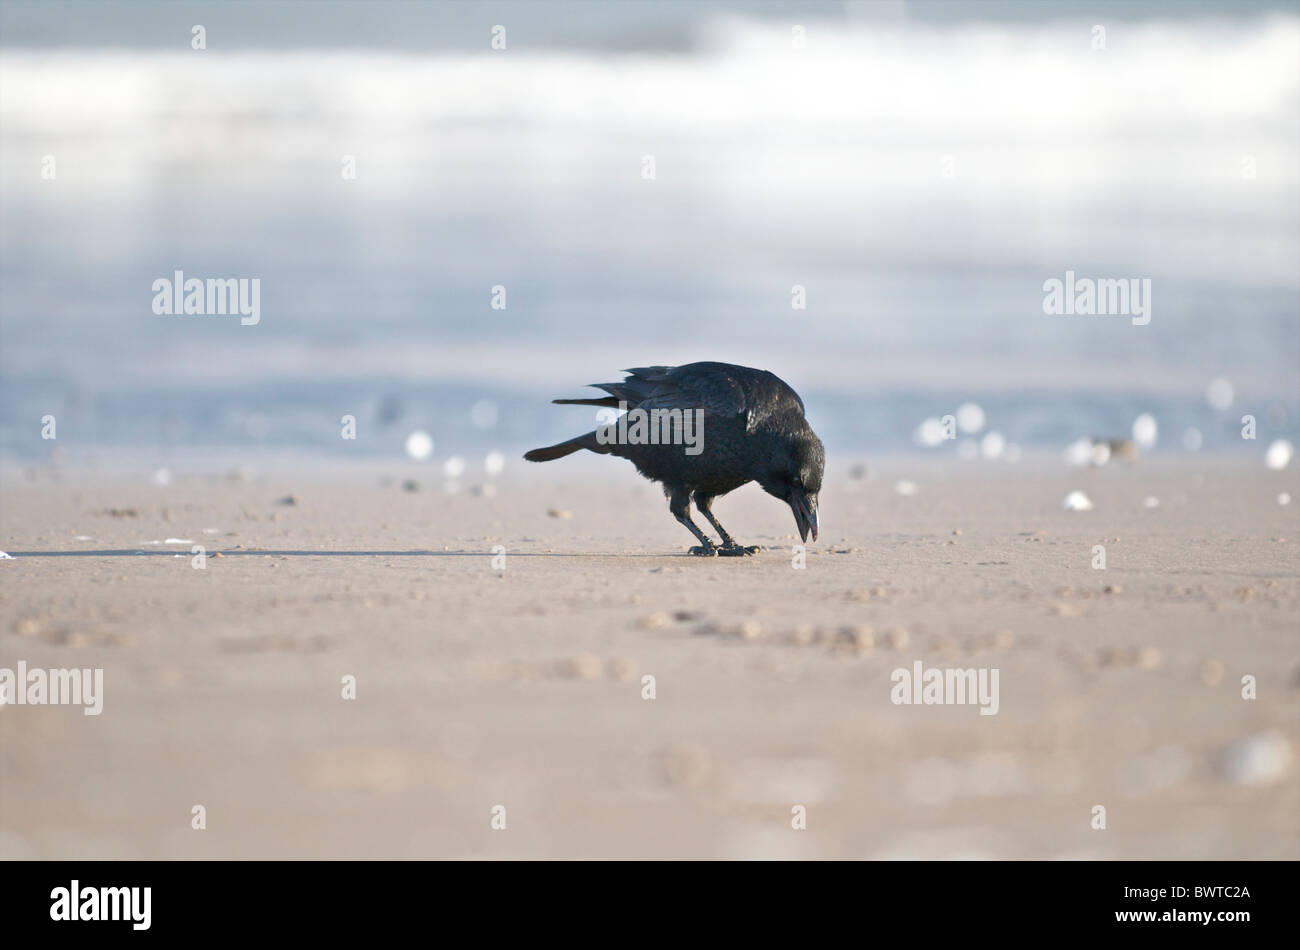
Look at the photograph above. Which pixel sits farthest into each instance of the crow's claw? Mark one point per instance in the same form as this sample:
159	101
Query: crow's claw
738	550
704	550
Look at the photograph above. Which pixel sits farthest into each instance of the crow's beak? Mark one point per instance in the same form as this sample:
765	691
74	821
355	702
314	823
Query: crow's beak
804	515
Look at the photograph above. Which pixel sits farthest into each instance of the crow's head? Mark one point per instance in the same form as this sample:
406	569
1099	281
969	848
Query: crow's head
796	477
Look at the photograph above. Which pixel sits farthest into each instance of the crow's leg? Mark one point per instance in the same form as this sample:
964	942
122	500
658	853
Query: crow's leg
679	503
703	504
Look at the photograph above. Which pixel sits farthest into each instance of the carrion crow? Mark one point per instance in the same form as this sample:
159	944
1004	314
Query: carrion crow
712	428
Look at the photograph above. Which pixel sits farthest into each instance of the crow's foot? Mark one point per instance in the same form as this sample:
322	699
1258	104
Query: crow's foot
738	550
705	550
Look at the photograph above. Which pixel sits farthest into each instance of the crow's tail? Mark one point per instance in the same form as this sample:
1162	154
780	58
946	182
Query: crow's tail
609	402
559	451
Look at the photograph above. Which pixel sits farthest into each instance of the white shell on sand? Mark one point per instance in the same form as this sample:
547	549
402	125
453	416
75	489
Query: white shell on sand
1262	759
419	445
1279	455
1145	430
970	418
1077	501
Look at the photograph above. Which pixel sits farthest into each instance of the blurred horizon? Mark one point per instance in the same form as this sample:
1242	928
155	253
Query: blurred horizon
920	169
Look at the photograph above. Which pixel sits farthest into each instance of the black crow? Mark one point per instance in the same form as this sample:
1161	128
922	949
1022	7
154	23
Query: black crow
751	428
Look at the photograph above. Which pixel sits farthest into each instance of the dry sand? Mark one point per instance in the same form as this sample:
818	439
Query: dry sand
522	686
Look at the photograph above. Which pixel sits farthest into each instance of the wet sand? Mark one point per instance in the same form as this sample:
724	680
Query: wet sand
520	683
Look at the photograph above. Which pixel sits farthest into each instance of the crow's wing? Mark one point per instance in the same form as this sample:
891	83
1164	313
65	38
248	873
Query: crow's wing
720	389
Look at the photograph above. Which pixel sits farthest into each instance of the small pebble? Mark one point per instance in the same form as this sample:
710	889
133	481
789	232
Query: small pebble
69	639
943	644
1148	658
687	765
622	670
582	667
1109	656
855	639
805	635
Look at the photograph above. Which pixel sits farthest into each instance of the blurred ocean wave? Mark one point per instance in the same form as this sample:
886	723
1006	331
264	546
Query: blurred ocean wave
825	167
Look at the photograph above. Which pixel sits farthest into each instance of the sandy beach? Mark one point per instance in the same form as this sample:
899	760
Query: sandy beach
520	682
